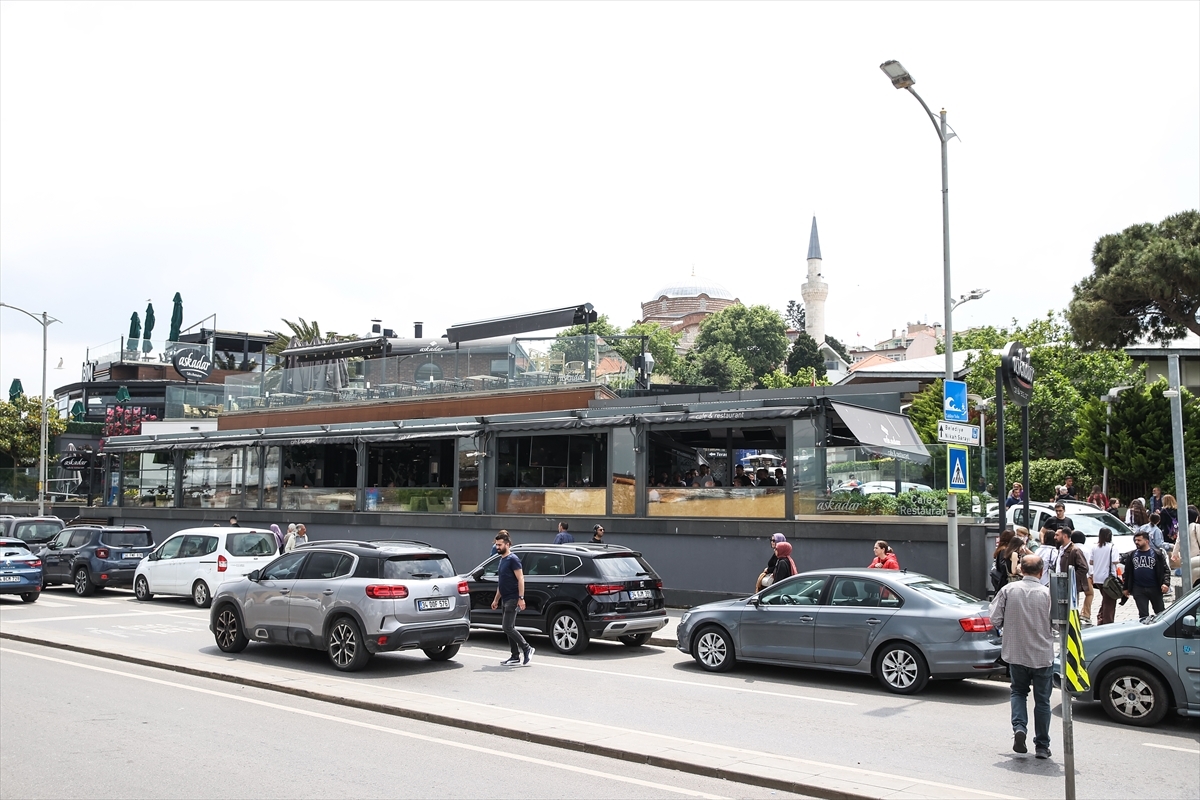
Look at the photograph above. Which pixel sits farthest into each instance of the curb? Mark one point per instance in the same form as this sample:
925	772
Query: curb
750	779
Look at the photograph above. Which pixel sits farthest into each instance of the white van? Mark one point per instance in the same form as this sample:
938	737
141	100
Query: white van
197	560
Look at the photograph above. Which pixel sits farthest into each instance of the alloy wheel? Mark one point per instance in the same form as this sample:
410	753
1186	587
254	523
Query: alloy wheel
899	668
711	649
227	628
200	594
81	581
141	589
566	632
1132	697
342	644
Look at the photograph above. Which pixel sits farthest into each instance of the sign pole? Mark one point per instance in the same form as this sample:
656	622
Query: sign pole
1003	479
1025	463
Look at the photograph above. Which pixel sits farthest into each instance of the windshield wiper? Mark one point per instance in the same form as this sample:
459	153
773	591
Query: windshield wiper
422	574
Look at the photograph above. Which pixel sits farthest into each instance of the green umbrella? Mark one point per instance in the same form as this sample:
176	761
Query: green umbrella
135	331
15	391
146	345
77	411
176	318
123	394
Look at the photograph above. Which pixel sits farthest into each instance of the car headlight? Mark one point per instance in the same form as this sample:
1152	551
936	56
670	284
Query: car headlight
683	620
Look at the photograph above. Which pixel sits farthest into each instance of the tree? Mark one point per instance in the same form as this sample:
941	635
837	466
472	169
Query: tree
21	429
574	348
838	347
794	315
305	332
662	344
717	365
926	410
805	355
755	334
805	376
1146	284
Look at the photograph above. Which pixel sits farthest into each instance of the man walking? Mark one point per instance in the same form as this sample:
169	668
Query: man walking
563	537
1146	576
598	534
1059	521
510	591
1022	609
1071	556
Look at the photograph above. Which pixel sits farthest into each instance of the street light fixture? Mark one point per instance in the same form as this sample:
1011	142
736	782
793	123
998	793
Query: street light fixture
902	79
1109	399
974	294
45	320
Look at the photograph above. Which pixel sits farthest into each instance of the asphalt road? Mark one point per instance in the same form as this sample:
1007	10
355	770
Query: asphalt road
954	735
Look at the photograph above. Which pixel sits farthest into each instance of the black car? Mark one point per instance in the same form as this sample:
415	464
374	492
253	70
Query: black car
575	593
91	557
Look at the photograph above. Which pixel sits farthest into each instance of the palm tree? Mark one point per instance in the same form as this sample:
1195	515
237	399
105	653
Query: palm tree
304	332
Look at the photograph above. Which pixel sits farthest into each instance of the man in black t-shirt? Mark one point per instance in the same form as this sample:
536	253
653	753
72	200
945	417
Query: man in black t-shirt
510	596
1058	522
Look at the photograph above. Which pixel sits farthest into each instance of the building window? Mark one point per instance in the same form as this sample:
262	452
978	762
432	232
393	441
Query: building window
428	372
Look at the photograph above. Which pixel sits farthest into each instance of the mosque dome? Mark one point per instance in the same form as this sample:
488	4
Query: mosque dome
694	287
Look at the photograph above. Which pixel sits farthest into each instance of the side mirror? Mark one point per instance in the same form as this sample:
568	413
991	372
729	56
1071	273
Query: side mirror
1187	625
254	576
754	601
55	545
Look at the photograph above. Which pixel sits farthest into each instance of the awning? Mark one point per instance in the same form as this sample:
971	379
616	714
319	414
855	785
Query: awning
728	415
561	423
883	432
364	348
522	323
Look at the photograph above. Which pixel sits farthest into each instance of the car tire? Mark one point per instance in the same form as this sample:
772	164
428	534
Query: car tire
567	634
712	648
228	631
1133	696
30	597
141	588
201	595
900	668
443	653
346	646
83	583
635	639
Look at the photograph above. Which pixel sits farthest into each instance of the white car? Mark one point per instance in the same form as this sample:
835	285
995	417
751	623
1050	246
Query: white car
1087	518
889	487
197	560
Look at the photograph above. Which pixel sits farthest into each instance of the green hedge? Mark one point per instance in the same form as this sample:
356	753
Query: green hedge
86	428
859	466
1046	473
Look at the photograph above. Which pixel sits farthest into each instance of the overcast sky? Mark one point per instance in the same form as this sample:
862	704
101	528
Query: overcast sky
446	162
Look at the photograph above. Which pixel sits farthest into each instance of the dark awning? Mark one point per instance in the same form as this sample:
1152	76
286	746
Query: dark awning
355	348
522	323
886	433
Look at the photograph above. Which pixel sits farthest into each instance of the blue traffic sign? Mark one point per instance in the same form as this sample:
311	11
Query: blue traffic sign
956	470
954	401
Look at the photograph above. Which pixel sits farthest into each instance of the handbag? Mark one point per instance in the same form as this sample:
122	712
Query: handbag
767	580
1113	589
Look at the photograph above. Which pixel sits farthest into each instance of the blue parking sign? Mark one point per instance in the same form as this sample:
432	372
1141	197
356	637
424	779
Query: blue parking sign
954	401
956	469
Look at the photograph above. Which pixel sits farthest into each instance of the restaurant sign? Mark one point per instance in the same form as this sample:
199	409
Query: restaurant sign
1017	372
193	363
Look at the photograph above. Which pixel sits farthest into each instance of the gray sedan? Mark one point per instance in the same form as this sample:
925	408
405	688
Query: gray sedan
902	627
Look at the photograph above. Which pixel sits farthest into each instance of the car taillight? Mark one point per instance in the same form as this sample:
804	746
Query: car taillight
384	591
222	563
101	553
605	588
463	588
976	624
658	584
37	562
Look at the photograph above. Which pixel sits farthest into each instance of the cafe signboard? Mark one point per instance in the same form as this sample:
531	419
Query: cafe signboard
192	363
1017	372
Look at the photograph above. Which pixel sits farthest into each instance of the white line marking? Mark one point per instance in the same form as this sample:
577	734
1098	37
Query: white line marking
93	616
1169	747
544	663
487	751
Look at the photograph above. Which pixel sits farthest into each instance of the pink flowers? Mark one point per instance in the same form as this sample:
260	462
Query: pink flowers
126	421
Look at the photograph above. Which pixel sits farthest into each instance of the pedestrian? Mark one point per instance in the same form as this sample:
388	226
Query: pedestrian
1059	520
1048	552
1071	557
1138	515
1079	545
767	576
563	536
1069	488
510	598
289	541
1146	576
1104	565
1152	531
1193	543
1169	515
233	523
704	479
1156	500
1000	558
779	481
597	534
1015	496
1097	498
301	535
885	557
1017	548
1022	610
278	537
1114	508
785	567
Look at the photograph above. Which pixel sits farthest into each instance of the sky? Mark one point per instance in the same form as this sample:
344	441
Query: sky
446	162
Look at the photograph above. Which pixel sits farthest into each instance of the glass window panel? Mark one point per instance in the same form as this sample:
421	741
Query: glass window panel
271	476
468	475
149	479
320	477
215	479
411	476
558	475
624	472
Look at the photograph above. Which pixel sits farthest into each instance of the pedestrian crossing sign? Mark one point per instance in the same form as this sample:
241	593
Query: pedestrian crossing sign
957	470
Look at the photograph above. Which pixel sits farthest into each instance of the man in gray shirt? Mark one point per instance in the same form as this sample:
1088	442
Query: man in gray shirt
1022	609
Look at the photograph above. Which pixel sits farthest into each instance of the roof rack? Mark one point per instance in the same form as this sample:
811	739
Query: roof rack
385	542
327	542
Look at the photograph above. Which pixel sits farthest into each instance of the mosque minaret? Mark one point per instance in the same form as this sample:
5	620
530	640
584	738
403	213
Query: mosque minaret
814	290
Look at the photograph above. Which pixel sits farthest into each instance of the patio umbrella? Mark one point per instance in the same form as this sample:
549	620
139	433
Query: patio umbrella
176	318
146	344
135	332
15	390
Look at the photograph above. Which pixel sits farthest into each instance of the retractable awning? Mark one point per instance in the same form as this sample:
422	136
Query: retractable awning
522	323
883	432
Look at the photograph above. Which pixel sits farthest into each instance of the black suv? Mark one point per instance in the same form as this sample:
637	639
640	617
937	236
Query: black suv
91	557
577	592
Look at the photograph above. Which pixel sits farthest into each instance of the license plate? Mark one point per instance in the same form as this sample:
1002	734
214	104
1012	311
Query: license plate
436	604
132	555
641	594
9	578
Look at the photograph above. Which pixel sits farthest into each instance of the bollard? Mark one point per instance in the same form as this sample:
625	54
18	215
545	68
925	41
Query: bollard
1062	597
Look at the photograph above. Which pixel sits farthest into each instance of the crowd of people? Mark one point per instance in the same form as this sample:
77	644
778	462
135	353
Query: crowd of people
703	478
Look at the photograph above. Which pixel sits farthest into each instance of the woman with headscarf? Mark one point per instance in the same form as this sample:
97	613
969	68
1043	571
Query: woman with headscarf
289	541
278	537
767	576
784	566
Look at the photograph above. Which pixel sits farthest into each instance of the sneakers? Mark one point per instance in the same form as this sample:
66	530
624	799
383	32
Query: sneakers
1042	752
512	661
1019	742
529	651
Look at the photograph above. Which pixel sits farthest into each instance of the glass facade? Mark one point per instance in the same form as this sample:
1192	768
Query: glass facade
552	474
410	476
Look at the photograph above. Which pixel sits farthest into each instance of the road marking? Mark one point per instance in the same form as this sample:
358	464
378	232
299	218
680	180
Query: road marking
41	604
543	663
94	616
491	752
1169	747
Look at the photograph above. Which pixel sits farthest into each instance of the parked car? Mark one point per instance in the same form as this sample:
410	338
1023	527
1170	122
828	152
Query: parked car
351	600
20	570
1087	518
193	562
92	557
1140	672
889	487
902	627
575	593
5	521
34	531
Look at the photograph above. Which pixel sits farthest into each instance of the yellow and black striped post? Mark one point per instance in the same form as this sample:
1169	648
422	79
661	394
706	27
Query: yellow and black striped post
1077	680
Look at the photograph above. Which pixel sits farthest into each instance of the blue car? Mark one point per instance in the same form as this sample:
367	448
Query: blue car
20	570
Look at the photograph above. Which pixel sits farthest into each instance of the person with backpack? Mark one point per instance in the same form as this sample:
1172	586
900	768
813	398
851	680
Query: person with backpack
1009	547
1169	519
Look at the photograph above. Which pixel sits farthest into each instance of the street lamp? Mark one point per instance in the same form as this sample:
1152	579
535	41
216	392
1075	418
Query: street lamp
901	79
1109	399
45	320
974	294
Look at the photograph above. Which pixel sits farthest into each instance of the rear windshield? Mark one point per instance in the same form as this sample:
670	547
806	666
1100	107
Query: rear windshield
623	568
943	593
250	544
430	566
127	538
13	548
36	531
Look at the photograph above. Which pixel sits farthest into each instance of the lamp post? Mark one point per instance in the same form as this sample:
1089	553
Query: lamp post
1109	399
45	320
901	79
1181	488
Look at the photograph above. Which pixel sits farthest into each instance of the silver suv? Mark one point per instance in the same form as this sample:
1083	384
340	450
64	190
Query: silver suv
350	599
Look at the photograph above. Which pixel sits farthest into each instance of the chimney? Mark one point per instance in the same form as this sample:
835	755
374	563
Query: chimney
418	330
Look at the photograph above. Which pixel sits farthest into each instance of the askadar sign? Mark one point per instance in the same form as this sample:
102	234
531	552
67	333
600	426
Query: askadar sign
192	363
1017	372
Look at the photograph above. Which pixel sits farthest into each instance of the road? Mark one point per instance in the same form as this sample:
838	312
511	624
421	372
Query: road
953	740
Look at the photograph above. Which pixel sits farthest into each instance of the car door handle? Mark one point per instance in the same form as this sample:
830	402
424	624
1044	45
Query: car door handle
327	591
284	591
806	618
874	621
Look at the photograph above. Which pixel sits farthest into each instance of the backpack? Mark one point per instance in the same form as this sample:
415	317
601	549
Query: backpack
999	574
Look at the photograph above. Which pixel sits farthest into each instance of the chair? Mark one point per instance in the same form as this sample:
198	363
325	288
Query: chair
555	362
573	371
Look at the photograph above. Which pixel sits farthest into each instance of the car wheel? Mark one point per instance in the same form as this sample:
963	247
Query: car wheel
141	588
901	669
30	597
347	648
443	653
713	650
200	595
227	630
1133	696
635	639
83	583
567	634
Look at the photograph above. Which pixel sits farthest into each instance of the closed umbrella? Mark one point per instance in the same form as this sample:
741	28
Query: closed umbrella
146	345
15	390
135	332
176	318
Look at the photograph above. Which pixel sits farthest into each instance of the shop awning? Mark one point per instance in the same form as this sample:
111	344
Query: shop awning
883	432
522	323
